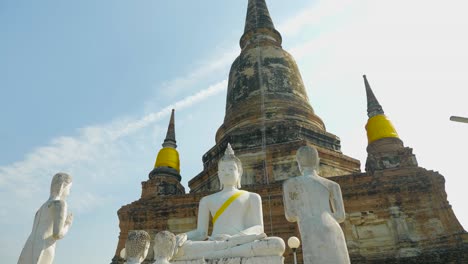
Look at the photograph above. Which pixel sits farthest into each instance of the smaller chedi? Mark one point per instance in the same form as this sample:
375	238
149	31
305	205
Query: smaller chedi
51	223
316	204
165	177
237	219
136	247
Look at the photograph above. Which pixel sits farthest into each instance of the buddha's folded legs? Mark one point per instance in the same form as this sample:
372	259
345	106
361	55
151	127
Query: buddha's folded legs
270	246
239	240
243	246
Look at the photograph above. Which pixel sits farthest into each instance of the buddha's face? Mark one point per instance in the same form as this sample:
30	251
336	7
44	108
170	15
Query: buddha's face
228	173
66	191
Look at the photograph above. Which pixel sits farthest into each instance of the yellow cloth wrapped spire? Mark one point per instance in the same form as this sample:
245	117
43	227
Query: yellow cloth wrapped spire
378	127
168	155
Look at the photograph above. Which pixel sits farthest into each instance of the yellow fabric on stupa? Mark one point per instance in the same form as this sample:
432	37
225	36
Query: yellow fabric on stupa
378	127
168	157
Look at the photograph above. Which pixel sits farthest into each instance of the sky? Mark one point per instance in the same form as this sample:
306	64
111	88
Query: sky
86	88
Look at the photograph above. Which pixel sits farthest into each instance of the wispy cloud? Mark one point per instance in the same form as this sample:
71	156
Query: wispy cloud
314	14
92	144
99	142
318	12
96	152
88	144
201	71
88	202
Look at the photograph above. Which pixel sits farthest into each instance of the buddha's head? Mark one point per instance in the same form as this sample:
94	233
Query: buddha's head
60	186
137	245
307	157
229	169
164	247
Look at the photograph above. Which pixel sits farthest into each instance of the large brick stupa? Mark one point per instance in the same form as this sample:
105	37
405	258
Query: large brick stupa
397	212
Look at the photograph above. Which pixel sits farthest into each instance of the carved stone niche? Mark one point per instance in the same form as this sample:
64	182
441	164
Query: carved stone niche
404	231
368	235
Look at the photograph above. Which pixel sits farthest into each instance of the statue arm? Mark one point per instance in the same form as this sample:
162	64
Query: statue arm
62	221
201	233
254	219
337	201
289	208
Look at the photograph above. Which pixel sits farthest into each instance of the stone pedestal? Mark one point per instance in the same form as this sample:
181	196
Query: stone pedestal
253	260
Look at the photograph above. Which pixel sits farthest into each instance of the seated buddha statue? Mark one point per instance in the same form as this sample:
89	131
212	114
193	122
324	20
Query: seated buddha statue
237	221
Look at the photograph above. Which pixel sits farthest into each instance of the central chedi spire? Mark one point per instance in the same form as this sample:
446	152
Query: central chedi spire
258	20
268	114
258	16
264	82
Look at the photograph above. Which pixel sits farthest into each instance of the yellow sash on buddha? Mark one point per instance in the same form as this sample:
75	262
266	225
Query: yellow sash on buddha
226	205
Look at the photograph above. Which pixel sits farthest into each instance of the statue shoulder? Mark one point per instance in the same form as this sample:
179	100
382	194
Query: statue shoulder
205	199
57	205
209	198
331	185
293	180
335	185
329	182
255	197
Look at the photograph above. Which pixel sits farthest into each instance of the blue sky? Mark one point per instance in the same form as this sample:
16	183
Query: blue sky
87	86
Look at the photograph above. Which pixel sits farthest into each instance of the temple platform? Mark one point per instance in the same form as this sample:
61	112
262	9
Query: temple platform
251	260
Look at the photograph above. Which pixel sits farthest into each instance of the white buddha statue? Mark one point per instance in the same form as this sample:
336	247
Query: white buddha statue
136	247
316	204
51	223
165	245
237	221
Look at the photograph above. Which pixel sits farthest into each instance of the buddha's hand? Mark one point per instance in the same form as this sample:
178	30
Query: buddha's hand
261	236
69	219
221	237
180	239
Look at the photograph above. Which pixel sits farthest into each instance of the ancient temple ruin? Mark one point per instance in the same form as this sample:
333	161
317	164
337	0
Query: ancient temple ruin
397	212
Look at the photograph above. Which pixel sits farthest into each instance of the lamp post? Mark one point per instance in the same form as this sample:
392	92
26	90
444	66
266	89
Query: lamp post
294	243
459	119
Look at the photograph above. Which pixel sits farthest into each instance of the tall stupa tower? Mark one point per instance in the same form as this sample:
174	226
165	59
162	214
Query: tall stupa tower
268	114
396	211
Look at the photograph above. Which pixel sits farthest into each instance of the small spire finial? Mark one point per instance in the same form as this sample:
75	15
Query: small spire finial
229	155
373	106
258	24
258	16
170	140
229	151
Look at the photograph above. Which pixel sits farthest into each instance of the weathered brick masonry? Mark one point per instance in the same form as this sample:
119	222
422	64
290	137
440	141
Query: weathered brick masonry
397	212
